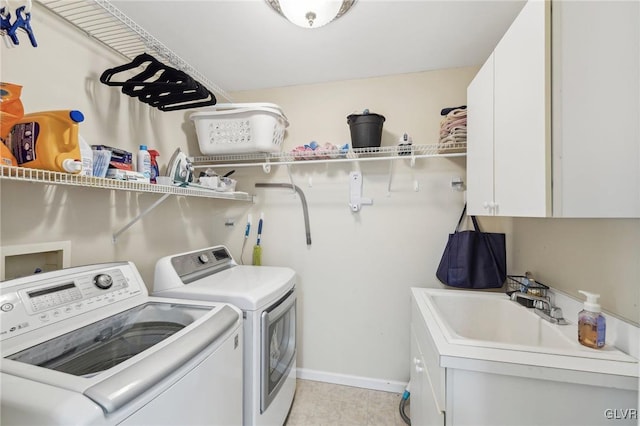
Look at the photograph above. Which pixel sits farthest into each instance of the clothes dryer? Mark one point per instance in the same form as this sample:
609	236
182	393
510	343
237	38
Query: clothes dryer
267	297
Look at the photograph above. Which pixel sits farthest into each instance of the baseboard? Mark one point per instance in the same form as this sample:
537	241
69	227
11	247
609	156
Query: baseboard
348	380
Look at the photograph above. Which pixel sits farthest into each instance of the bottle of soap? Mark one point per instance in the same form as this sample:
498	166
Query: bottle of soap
591	323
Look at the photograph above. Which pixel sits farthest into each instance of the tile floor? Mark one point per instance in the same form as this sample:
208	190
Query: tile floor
319	404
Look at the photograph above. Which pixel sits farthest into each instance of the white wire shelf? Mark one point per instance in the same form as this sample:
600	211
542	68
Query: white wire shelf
334	156
107	24
57	178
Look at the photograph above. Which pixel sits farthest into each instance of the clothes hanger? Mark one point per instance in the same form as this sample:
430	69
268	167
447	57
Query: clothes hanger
138	86
153	67
170	90
160	96
211	100
193	94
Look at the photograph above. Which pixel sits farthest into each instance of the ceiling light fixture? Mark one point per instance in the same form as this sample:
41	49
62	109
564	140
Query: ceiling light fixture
311	13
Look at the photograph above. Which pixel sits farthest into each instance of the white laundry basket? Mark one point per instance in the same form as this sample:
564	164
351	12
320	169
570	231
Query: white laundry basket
240	128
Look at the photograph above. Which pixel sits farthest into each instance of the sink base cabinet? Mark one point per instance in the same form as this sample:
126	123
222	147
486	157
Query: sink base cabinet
480	398
490	393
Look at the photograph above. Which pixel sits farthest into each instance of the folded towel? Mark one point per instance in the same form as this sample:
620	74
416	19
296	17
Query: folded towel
455	131
453	139
462	122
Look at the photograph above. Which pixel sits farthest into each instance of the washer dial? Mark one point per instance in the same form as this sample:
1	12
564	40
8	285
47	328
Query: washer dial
103	281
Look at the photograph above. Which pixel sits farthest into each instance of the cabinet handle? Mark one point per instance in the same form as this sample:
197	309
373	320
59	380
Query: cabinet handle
490	205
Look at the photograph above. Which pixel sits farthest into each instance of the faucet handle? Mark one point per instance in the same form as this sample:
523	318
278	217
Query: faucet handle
556	313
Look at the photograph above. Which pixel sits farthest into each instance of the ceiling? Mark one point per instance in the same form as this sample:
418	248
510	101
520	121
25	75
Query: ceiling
245	45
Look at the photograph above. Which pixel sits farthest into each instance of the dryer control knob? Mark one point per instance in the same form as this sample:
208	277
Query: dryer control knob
203	258
103	281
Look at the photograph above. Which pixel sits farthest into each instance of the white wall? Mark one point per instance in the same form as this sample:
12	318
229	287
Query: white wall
597	255
354	278
62	73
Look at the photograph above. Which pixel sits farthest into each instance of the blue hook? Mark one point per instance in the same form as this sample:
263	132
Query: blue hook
22	22
5	20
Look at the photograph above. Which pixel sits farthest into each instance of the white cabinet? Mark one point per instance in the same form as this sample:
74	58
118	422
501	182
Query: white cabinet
556	106
426	412
508	154
480	158
596	108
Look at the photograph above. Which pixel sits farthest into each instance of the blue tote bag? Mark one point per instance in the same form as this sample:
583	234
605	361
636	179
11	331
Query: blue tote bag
473	259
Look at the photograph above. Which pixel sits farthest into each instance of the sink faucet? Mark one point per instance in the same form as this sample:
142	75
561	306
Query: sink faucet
541	306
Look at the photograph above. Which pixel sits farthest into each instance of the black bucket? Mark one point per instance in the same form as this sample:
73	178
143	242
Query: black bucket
366	129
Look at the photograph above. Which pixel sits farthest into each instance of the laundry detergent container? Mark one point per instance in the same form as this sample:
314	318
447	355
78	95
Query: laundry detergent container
366	129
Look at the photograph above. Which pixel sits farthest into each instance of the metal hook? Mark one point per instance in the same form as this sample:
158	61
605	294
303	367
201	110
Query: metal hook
291	178
266	167
390	176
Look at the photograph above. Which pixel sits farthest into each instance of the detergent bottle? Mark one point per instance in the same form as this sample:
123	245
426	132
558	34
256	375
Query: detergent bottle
6	157
11	109
48	140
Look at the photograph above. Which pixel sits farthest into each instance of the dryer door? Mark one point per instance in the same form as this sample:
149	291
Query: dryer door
278	349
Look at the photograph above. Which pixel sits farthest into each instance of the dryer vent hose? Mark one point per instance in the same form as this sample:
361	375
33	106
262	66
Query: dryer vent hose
303	200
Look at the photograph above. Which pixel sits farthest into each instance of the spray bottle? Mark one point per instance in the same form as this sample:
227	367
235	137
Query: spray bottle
155	171
591	323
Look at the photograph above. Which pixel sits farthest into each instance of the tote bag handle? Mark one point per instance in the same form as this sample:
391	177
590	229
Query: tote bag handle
476	227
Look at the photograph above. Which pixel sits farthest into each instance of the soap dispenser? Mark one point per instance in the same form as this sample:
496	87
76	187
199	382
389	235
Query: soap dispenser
591	323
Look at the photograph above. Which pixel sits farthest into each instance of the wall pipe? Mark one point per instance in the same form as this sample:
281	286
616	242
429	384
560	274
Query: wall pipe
303	200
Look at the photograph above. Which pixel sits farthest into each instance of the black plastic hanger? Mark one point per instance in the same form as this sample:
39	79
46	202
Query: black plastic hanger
160	85
210	100
137	86
153	67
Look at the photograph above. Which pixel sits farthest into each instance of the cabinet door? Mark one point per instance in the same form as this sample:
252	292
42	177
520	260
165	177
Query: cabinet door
424	408
522	142
596	109
417	389
480	141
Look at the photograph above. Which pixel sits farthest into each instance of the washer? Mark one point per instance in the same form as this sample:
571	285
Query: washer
267	297
87	345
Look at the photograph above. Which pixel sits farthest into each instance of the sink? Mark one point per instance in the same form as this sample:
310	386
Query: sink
493	320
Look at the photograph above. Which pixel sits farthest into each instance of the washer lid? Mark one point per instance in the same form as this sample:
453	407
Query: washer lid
247	287
117	359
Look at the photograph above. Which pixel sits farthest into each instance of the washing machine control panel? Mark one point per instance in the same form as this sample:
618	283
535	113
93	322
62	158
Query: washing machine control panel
39	303
196	265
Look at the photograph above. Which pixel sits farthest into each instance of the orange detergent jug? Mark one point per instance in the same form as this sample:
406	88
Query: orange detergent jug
6	157
11	109
48	140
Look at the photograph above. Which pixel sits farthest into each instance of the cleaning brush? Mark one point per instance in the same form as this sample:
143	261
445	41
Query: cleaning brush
247	229
257	249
